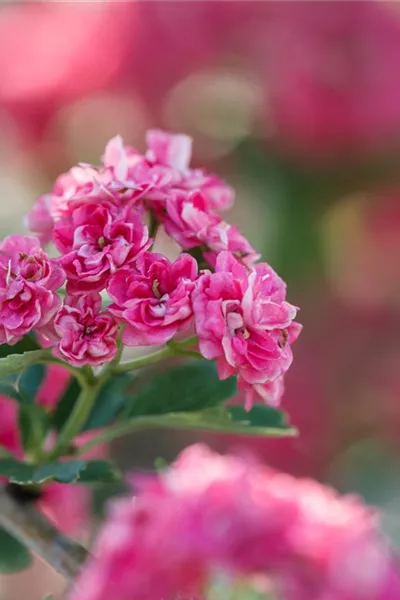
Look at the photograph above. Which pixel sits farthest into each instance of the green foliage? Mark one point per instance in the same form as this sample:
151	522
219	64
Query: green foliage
14	556
33	426
65	405
185	388
70	471
111	400
17	363
27	344
96	471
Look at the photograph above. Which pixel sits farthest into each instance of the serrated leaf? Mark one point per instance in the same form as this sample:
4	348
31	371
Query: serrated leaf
29	382
24	474
16	471
185	388
98	471
63	472
14	556
65	405
33	424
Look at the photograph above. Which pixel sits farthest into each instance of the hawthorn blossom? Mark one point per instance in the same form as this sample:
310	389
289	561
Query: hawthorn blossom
243	321
87	335
28	282
211	517
165	168
153	298
96	241
189	222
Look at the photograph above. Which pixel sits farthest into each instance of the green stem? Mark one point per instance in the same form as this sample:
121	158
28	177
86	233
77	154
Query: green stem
76	420
171	350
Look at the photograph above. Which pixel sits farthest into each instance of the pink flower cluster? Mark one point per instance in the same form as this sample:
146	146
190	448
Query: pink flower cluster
212	519
97	218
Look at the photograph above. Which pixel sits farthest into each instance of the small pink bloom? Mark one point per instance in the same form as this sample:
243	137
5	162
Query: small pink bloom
164	169
154	298
87	336
28	282
212	519
96	241
244	322
188	220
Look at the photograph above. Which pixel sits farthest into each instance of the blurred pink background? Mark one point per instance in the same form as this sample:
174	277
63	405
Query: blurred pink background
297	104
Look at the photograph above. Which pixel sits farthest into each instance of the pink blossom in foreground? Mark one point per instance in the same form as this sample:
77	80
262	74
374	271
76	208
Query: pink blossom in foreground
212	516
153	298
243	321
28	282
189	222
87	335
165	168
96	241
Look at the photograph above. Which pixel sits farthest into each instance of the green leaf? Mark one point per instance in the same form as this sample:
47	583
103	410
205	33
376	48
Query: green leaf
24	474
29	382
8	387
65	405
259	416
16	363
224	420
185	388
71	471
27	344
63	472
110	401
14	556
98	471
33	425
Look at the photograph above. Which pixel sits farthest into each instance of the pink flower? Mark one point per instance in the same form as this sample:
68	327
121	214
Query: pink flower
97	240
215	520
87	336
82	183
28	281
244	322
165	168
189	222
154	298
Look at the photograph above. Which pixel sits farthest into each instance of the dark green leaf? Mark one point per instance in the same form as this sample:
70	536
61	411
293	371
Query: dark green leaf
64	472
14	556
16	471
98	471
65	405
185	388
25	345
16	363
259	416
218	419
33	425
8	387
24	474
30	381
109	403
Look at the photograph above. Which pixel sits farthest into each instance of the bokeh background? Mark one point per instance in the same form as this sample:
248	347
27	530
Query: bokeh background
297	104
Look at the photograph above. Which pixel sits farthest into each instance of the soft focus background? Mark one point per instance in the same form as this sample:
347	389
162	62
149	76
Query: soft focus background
297	104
